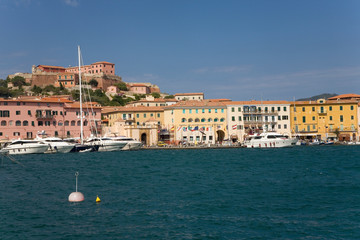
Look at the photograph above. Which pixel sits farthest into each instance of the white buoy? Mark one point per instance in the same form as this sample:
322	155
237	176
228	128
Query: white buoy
76	196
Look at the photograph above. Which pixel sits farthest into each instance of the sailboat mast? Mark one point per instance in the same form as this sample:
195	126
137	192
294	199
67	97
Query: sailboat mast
81	112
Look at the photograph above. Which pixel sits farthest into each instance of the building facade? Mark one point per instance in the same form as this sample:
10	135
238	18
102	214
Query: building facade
248	117
326	119
196	122
24	118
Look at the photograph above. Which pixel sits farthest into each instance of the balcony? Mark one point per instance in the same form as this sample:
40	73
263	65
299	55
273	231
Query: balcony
322	112
245	112
44	117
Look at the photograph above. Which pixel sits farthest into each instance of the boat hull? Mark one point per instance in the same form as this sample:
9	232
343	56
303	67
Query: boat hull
26	149
271	143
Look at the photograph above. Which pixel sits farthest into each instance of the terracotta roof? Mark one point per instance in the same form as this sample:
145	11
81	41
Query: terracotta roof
257	102
102	62
326	102
38	99
131	109
47	66
155	100
138	85
187	94
349	95
196	103
84	105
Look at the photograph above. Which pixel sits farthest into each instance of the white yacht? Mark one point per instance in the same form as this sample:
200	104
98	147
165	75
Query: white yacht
106	144
131	144
56	145
25	147
269	140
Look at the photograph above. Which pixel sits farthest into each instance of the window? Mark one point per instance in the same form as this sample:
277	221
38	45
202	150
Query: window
279	108
352	117
303	119
330	108
190	120
184	111
215	110
47	123
158	114
279	126
209	110
239	109
190	110
144	115
285	126
341	118
29	112
239	118
18	103
196	110
137	115
68	133
203	120
303	109
222	119
197	120
183	120
233	118
222	110
210	120
313	118
25	123
285	117
33	123
66	123
40	123
351	107
16	134
72	123
330	118
3	123
216	119
203	111
341	108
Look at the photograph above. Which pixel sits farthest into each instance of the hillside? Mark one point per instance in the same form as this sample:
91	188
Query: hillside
321	96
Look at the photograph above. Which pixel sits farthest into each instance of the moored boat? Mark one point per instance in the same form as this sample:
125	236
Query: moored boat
269	140
25	147
106	144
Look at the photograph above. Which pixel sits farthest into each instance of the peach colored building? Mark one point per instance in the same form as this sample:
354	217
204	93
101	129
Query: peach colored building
67	79
95	68
24	118
139	88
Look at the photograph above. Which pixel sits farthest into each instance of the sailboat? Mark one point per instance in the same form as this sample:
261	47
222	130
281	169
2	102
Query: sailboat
83	147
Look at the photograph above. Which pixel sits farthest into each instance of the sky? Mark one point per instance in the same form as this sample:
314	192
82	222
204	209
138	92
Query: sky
239	50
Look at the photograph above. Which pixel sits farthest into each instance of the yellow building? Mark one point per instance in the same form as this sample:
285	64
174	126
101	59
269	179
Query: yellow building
325	119
142	123
197	121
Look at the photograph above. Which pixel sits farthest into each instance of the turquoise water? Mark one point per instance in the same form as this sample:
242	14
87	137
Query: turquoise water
290	193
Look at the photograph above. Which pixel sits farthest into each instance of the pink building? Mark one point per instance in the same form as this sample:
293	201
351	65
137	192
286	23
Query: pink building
139	88
47	68
94	68
24	118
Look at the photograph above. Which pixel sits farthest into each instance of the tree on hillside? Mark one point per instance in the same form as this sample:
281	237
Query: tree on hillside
18	81
3	83
156	95
122	86
49	88
35	89
4	92
169	97
93	82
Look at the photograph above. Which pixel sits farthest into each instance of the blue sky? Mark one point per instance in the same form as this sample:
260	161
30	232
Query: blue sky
242	49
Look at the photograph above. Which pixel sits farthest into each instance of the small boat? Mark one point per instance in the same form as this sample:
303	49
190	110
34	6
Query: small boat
25	147
269	140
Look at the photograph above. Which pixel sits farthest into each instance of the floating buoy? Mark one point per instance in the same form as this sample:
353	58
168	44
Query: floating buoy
97	199
76	196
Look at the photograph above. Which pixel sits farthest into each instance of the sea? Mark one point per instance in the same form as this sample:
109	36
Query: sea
302	192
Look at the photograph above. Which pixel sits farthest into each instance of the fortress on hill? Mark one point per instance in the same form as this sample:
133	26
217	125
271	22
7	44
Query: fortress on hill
103	72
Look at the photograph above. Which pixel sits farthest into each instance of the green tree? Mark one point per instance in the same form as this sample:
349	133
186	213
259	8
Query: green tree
49	88
156	95
3	83
169	97
122	86
4	92
35	89
93	82
18	81
17	92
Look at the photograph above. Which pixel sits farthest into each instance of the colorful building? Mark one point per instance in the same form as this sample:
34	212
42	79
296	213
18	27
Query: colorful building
189	96
25	117
326	119
94	68
196	122
142	123
248	117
